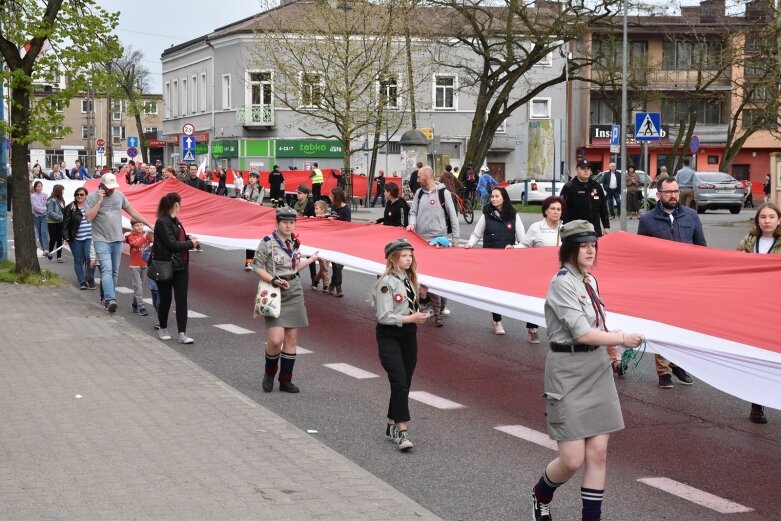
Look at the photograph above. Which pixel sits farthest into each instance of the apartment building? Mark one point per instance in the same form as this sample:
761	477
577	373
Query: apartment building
232	102
670	59
91	118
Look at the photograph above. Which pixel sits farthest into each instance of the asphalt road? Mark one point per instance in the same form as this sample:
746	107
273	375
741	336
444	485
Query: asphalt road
462	467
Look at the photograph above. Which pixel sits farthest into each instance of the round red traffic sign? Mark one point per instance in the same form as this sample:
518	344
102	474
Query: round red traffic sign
100	142
188	129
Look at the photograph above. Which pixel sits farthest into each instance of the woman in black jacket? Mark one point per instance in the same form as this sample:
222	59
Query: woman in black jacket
340	211
172	243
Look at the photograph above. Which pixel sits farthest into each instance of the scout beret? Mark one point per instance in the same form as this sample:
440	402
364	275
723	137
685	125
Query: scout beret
286	213
254	174
578	231
584	164
304	189
398	244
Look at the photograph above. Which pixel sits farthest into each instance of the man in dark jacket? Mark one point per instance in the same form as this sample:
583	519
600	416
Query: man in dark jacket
611	183
193	180
671	221
585	199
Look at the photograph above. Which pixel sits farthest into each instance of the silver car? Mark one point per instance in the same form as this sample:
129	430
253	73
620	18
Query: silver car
716	190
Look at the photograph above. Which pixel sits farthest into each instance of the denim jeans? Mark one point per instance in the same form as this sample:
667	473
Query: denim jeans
109	255
80	251
381	197
485	199
41	231
614	202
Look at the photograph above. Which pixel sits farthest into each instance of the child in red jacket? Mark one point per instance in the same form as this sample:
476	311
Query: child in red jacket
138	240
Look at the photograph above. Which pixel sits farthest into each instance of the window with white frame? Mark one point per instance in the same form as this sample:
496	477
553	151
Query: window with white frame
445	92
545	62
185	97
389	92
194	97
226	92
87	105
58	105
150	130
175	98
117	134
539	108
58	131
150	107
260	88
204	92
87	132
116	110
167	99
312	86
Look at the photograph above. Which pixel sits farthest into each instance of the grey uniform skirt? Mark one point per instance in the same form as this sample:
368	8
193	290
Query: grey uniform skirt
293	312
580	395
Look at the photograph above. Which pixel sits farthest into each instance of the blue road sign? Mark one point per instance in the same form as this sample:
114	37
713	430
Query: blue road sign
101	150
132	141
188	148
694	144
615	135
648	126
132	151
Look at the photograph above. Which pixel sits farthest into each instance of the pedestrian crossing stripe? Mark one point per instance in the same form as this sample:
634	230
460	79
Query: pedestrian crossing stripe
188	156
647	129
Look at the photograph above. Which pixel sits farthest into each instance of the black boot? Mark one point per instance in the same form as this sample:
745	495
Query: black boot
288	387
757	414
268	383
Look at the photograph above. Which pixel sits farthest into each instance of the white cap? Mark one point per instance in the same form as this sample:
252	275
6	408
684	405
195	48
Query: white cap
109	181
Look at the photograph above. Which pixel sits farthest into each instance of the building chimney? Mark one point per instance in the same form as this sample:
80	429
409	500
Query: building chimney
711	10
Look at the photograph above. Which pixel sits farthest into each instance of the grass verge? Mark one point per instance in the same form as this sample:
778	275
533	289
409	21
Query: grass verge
9	275
529	208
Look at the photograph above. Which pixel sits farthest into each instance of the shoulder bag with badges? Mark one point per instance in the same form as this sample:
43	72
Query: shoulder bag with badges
268	299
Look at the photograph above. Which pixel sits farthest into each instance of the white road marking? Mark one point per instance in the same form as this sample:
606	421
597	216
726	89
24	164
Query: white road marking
148	301
195	314
351	370
123	289
357	270
433	400
233	328
700	497
525	433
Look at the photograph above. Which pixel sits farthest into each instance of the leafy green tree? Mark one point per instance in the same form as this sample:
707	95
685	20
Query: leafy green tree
131	83
40	40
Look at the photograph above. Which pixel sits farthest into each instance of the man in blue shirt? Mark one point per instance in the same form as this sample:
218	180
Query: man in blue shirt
685	178
484	185
79	172
672	221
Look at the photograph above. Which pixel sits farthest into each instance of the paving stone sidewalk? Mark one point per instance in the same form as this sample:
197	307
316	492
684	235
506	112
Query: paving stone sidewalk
101	422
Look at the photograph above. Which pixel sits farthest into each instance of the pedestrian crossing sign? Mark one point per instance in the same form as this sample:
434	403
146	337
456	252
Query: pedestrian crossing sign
189	155
648	126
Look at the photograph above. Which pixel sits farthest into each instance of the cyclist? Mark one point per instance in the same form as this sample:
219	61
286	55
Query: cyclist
469	179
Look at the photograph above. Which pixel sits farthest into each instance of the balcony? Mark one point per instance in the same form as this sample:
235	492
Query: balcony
255	115
502	143
706	133
686	79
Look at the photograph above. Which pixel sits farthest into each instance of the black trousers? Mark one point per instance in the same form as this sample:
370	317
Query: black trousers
336	275
177	287
316	187
398	347
55	237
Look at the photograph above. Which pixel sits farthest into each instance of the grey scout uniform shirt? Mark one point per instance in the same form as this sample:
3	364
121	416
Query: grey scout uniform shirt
272	258
569	313
390	300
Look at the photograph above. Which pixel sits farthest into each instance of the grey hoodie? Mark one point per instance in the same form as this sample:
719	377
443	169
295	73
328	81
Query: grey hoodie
427	215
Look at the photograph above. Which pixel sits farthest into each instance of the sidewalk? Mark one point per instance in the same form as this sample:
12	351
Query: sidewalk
101	422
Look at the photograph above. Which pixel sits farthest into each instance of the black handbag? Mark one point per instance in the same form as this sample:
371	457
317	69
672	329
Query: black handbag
160	270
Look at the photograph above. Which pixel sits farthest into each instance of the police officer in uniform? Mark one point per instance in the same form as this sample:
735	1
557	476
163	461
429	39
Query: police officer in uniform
395	298
582	406
278	261
585	199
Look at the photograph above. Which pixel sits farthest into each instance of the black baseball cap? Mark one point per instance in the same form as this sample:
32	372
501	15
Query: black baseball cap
583	164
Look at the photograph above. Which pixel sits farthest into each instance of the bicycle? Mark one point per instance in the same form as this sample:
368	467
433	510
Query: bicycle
465	209
470	198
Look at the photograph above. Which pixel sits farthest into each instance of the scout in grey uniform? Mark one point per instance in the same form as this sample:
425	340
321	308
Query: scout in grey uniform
582	405
395	297
277	261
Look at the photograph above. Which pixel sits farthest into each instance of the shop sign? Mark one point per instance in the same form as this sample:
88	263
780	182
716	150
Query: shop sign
225	149
600	135
175	139
309	148
201	148
155	143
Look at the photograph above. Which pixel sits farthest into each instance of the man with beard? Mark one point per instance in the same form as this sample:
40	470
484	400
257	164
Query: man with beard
672	221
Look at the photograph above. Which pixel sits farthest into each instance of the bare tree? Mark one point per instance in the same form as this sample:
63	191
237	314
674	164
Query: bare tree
132	82
507	39
39	41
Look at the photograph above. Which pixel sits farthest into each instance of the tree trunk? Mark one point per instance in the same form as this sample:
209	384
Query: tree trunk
24	232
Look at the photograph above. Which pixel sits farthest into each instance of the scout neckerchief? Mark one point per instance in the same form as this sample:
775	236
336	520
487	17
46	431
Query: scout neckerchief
596	303
412	301
287	247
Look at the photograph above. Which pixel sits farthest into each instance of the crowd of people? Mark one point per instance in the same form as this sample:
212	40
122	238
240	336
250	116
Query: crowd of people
581	401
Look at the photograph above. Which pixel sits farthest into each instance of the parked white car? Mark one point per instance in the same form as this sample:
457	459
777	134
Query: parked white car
538	190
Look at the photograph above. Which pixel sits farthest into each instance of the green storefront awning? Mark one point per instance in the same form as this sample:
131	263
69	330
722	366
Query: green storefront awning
225	149
309	148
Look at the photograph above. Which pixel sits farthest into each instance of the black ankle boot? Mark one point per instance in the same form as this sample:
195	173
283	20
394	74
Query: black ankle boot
757	414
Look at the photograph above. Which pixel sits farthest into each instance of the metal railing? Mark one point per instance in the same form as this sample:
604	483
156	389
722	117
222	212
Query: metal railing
261	115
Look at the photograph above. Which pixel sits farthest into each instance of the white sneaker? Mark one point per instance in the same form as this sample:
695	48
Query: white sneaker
446	312
534	338
247	266
163	334
404	442
184	339
498	328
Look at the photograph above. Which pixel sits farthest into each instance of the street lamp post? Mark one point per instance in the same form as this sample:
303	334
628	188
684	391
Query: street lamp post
624	162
